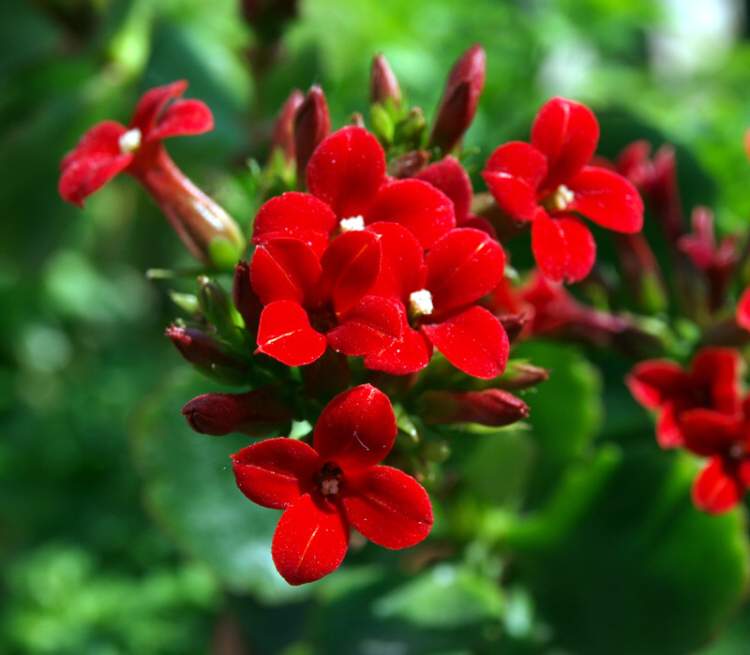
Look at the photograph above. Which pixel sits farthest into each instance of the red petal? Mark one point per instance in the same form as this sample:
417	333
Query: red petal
451	178
183	118
743	310
93	162
298	215
563	248
310	541
388	507
357	428
513	175
715	489
708	432
152	103
473	341
402	268
480	223
346	170
720	369
654	382
351	265
285	269
608	199
668	428
284	333
427	212
409	354
275	472
372	325
463	266
567	132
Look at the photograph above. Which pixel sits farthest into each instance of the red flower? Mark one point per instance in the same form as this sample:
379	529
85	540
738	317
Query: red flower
725	441
743	310
335	484
110	148
711	383
549	184
441	291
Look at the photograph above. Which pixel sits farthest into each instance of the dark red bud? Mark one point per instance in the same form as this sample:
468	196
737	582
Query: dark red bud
493	407
663	192
206	353
251	413
312	124
245	300
514	324
460	99
383	83
523	376
283	129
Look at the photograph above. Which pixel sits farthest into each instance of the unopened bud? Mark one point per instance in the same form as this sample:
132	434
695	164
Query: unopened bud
460	99
408	164
245	300
312	124
641	271
513	324
215	306
493	407
253	413
663	192
384	86
207	354
283	130
519	376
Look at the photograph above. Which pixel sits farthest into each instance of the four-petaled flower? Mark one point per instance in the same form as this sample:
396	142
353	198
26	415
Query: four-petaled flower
711	383
550	184
335	484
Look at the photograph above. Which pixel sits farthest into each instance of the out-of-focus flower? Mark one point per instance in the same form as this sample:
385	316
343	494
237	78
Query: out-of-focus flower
712	382
110	148
549	183
335	484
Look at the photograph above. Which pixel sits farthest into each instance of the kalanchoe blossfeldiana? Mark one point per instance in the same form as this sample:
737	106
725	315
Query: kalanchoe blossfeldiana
384	85
110	148
336	484
282	138
712	382
460	99
312	123
549	183
207	354
493	407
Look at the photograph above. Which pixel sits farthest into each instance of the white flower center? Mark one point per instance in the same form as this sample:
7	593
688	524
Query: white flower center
561	198
130	141
352	224
329	486
420	303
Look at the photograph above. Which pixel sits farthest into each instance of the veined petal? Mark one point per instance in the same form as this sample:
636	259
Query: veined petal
463	266
408	354
513	174
654	382
402	267
275	472
448	176
567	132
285	269
356	429
183	118
474	341
716	489
417	205
310	541
152	104
346	170
563	248
388	507
284	333
708	432
299	215
372	325
608	199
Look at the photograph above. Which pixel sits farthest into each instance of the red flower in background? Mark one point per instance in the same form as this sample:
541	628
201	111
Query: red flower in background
550	184
110	148
743	310
711	383
335	484
425	301
725	441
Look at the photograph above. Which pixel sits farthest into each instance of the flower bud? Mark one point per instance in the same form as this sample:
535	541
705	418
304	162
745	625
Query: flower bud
208	232
513	324
253	413
215	306
460	99
283	130
520	375
247	303
641	271
408	164
312	124
207	354
493	407
663	192
384	86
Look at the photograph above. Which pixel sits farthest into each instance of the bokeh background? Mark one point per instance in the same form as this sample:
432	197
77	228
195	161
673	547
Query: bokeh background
121	532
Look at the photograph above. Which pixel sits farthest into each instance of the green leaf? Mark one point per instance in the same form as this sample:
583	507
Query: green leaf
190	490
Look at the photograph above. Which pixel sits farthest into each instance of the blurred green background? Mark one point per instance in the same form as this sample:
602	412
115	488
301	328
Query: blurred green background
121	532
